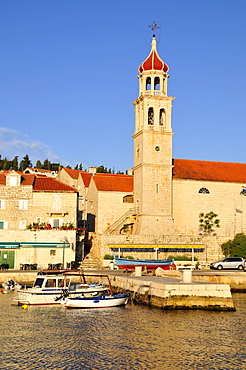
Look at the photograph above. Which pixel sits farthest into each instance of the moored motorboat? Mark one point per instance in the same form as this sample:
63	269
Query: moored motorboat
51	289
151	264
97	302
11	285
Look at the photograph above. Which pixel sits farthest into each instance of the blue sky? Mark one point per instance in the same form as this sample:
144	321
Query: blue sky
68	78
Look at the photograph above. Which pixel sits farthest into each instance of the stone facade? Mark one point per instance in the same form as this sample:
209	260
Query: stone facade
35	213
225	199
105	207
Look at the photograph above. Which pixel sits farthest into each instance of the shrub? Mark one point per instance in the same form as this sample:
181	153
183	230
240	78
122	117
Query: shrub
235	247
108	257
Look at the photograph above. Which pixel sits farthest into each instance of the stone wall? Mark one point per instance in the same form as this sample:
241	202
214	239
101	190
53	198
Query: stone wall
211	253
224	199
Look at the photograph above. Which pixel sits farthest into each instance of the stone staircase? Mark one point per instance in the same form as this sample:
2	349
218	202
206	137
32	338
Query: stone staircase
91	263
129	218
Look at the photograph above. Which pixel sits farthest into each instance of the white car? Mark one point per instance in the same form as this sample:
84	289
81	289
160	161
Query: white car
229	263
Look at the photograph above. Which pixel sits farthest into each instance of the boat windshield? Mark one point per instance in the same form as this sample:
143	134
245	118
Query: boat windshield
38	282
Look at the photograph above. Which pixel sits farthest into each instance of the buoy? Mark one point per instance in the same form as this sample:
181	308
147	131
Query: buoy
25	306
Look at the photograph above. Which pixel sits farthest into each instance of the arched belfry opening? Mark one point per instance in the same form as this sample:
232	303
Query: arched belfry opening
148	83
150	116
157	83
162	116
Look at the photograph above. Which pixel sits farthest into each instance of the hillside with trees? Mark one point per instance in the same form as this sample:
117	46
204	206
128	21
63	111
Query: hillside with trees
16	165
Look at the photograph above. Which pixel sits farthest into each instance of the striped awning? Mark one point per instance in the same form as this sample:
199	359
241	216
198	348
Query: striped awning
160	247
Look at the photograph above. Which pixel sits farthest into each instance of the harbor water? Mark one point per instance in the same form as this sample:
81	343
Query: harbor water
131	337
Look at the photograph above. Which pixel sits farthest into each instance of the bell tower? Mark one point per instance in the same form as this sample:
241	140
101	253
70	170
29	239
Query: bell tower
153	148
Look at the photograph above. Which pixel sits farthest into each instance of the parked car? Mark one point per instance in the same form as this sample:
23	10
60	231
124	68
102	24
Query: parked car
229	263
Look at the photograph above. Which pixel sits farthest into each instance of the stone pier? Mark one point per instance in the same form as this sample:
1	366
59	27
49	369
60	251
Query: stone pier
172	293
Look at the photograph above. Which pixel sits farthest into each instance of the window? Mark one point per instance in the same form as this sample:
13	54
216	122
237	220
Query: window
162	117
3	224
57	203
150	116
204	191
56	222
243	191
50	283
52	252
60	283
157	188
12	180
22	225
23	204
128	199
2	203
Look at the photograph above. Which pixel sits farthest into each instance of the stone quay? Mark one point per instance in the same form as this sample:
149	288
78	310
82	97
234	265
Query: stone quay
173	290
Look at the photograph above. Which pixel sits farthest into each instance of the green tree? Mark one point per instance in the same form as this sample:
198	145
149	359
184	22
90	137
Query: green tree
46	164
38	164
7	165
207	222
235	247
15	164
25	163
101	169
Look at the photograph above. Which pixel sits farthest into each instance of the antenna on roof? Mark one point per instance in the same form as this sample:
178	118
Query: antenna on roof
154	27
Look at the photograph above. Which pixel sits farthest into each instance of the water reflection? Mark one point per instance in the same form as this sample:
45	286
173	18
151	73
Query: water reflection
135	337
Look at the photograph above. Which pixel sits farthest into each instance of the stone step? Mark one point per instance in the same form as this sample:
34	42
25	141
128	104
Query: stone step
91	262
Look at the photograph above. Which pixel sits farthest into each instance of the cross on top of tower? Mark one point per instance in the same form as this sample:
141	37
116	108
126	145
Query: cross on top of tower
154	27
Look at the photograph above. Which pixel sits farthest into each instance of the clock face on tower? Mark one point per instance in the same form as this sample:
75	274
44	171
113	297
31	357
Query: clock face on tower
157	148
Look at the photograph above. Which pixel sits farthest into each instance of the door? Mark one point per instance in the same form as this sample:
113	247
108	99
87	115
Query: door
7	257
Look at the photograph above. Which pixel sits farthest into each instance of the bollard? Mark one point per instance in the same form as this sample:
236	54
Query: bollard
187	276
138	271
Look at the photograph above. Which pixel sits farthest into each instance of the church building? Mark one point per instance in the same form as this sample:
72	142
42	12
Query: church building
167	195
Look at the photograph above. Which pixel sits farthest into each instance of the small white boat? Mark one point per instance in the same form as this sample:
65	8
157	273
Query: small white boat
97	302
11	285
53	288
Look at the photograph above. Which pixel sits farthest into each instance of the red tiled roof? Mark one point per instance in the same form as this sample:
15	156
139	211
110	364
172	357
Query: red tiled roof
209	171
86	177
50	184
2	179
40	182
72	173
113	182
27	179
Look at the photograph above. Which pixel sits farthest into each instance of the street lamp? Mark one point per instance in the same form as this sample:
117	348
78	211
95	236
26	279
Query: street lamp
63	240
